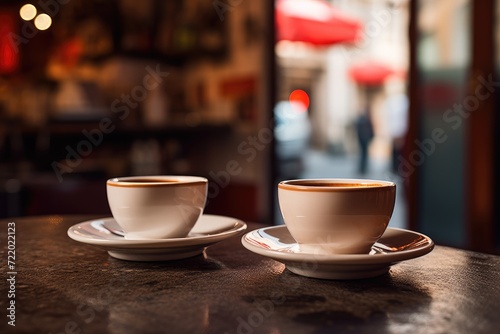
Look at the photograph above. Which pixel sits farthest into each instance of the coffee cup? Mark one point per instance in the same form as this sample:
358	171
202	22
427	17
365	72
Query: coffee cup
156	207
336	216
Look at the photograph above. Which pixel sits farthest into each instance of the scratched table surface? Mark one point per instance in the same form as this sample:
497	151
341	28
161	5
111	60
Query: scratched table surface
63	286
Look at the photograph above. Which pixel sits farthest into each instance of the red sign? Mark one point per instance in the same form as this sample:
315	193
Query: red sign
9	58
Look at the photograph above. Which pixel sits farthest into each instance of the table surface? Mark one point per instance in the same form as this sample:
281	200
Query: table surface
63	286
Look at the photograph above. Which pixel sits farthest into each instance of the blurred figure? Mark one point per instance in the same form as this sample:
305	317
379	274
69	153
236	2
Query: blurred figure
396	111
365	133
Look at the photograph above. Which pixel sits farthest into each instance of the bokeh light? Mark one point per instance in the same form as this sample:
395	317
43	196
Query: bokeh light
43	22
27	12
299	99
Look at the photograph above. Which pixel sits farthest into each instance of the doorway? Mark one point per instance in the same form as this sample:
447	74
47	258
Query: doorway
355	86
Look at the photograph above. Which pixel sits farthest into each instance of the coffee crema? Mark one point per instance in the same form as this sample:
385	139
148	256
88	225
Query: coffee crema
140	182
147	181
332	184
327	185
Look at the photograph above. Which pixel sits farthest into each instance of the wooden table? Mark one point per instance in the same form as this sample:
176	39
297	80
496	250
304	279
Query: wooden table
62	286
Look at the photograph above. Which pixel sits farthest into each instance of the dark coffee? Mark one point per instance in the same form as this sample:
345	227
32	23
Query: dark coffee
332	184
149	180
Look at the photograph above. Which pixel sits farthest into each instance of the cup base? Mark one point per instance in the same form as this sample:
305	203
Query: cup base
154	236
135	236
328	249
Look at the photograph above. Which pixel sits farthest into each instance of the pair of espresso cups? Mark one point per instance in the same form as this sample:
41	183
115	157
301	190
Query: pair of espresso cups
324	216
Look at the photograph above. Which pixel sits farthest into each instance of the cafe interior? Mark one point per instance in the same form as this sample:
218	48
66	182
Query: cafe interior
243	92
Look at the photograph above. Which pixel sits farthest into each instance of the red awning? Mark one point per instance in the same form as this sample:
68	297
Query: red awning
315	22
371	72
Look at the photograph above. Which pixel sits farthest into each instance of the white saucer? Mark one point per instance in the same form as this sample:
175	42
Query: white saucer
396	245
208	230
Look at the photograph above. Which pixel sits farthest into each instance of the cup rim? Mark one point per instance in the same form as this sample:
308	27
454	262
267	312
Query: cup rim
156	181
344	184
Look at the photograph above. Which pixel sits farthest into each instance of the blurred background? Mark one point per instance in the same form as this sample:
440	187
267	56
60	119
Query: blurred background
248	93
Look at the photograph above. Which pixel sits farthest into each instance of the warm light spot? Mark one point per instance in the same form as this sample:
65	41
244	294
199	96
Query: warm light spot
299	98
27	12
55	219
43	22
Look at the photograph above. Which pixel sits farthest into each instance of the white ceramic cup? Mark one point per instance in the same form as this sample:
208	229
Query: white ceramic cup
336	216
156	207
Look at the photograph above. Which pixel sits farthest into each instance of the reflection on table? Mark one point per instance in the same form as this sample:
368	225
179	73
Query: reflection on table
66	286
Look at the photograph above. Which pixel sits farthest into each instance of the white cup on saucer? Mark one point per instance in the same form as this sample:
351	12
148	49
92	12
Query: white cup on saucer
156	207
336	216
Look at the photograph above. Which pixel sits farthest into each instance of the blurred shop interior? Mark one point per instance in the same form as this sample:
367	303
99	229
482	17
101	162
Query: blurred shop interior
114	88
248	93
